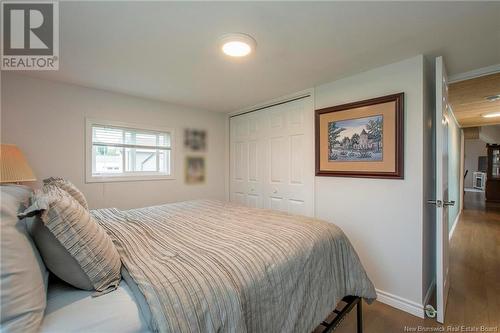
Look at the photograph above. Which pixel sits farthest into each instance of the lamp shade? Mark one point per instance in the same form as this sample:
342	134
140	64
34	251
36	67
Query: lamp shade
13	165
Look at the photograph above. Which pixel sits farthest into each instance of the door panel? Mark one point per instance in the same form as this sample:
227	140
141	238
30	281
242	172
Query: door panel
296	117
297	160
241	128
253	161
297	207
239	197
253	125
277	118
239	160
277	159
277	203
253	200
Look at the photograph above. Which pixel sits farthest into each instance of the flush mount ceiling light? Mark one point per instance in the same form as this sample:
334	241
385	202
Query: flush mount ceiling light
237	45
491	115
493	98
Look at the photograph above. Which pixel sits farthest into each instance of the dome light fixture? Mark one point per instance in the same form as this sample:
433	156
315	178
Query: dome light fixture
237	44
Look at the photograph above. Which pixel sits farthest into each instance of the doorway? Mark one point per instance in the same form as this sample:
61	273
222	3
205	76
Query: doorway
469	107
476	104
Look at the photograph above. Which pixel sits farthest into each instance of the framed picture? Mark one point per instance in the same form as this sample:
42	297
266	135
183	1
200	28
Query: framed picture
195	139
195	169
361	139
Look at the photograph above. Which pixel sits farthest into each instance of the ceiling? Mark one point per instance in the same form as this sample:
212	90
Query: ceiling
468	100
168	50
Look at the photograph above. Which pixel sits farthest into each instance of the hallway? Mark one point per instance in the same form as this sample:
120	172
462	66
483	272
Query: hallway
474	298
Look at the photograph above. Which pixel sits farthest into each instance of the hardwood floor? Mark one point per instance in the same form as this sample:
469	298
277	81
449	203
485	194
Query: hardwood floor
474	298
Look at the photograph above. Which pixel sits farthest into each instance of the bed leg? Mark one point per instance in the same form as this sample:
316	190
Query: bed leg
359	315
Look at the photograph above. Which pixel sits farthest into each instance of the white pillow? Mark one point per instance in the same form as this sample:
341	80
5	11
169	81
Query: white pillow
23	276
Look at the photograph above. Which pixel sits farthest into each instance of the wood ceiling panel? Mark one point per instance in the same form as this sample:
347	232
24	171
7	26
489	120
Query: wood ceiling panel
468	100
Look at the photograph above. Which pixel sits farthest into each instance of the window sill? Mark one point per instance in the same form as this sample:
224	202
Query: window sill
121	178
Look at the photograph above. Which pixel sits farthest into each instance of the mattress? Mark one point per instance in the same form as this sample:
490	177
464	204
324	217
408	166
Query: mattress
74	310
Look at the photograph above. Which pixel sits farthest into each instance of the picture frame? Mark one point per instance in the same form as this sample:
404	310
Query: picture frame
195	170
362	139
195	140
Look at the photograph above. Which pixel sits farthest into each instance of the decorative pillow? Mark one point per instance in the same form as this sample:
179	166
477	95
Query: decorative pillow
69	187
23	276
81	239
56	257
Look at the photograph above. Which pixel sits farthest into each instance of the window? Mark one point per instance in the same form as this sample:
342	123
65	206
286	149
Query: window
121	152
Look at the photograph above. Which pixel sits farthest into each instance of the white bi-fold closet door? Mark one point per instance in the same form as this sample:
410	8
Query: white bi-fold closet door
272	157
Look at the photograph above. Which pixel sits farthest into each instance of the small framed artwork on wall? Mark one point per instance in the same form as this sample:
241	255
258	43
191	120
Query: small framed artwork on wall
195	140
361	139
195	169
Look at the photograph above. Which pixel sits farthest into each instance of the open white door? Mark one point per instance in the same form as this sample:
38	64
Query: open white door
442	200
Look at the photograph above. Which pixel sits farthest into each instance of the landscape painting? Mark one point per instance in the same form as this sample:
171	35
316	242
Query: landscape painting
357	139
362	139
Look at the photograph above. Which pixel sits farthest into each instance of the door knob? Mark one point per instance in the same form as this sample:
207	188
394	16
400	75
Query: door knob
449	203
275	191
438	203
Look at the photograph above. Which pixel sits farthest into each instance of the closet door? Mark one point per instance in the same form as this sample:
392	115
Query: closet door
290	176
248	159
272	158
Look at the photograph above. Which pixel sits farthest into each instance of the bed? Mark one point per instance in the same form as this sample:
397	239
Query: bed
211	266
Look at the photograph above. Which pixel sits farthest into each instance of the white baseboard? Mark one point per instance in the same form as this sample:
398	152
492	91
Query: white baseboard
401	303
454	225
429	292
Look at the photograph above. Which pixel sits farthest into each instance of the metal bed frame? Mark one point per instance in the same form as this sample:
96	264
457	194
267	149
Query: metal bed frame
351	302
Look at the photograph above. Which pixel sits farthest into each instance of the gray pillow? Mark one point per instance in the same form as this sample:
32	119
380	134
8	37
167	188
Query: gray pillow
23	276
69	187
57	259
79	239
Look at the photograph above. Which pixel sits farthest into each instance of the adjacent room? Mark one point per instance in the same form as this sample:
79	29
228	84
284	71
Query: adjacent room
171	166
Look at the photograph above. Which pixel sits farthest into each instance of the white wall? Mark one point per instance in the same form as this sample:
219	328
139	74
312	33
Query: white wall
473	149
383	218
47	121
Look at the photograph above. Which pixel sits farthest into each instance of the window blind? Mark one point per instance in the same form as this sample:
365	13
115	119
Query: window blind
111	136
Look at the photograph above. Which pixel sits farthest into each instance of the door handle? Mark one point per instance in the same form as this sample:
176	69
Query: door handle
449	203
438	203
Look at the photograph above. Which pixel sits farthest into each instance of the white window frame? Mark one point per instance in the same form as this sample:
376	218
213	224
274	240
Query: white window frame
121	177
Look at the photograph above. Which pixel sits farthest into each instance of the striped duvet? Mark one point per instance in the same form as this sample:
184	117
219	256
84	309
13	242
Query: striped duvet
208	266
